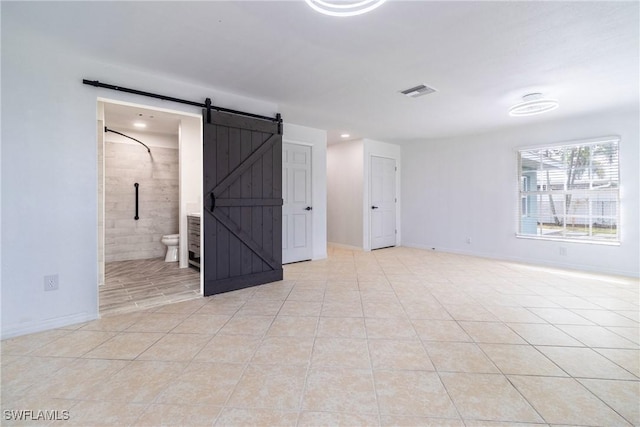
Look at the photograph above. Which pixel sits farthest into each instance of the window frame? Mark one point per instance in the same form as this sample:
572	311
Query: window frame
524	194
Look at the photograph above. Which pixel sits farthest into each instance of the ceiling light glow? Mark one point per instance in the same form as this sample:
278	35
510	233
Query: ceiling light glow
140	125
532	104
342	8
345	135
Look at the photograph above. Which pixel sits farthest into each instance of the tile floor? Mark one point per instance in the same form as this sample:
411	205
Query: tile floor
133	285
394	337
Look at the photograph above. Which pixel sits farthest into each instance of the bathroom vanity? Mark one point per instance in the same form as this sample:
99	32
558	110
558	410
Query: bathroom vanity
193	240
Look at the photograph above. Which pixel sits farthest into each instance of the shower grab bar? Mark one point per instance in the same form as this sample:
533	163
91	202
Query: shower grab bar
136	217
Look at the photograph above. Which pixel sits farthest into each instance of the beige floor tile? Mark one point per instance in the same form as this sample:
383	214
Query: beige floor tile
632	334
323	419
125	345
138	382
184	307
247	325
341	327
90	413
628	359
484	423
176	347
459	357
431	311
414	393
383	309
115	323
229	348
257	307
585	363
440	330
470	312
521	360
597	337
491	332
488	397
622	396
565	401
402	421
270	386
543	334
399	354
303	292
208	324
28	371
157	322
273	291
293	326
605	318
393	328
514	314
73	344
340	390
347	295
232	417
284	351
159	415
341	352
202	383
301	308
76	378
342	309
560	316
223	306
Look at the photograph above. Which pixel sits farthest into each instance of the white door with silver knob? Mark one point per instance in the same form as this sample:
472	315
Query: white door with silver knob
297	210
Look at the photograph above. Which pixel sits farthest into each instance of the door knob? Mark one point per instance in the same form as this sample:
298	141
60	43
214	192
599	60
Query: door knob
374	207
308	208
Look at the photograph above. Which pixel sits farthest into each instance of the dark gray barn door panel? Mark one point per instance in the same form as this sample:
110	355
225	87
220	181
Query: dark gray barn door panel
242	220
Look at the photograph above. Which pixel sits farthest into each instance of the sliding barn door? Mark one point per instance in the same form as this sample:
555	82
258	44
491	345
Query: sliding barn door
242	218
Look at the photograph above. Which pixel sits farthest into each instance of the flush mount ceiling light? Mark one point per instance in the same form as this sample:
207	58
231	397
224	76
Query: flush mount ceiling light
342	8
533	103
140	125
345	135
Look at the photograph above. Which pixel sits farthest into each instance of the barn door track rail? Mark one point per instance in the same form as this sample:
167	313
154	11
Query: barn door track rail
207	104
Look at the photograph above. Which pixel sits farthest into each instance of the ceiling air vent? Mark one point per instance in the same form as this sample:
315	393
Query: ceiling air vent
417	91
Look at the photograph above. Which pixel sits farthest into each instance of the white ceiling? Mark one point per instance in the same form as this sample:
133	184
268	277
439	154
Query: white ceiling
344	74
120	117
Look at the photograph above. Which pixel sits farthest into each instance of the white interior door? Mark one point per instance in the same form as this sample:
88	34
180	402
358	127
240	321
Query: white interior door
297	209
383	202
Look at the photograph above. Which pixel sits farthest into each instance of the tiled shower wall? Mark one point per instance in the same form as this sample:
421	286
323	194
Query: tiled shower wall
157	174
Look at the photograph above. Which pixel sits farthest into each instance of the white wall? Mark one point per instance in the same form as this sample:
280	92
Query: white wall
380	149
345	165
467	187
317	140
190	140
49	171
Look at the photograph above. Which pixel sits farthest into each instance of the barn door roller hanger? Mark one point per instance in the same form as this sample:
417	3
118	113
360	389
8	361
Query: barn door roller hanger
207	104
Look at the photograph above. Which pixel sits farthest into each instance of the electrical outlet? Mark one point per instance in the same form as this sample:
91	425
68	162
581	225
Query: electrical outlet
51	282
563	251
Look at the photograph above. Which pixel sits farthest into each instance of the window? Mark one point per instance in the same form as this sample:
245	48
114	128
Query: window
570	192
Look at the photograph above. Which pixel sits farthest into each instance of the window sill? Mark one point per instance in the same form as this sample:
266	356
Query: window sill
560	239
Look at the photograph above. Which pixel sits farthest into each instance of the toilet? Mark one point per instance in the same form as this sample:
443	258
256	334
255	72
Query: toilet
171	241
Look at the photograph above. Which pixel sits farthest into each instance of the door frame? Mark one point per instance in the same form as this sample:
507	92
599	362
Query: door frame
311	171
366	244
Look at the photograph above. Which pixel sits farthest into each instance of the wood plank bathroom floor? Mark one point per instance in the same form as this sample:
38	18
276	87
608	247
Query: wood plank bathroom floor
140	284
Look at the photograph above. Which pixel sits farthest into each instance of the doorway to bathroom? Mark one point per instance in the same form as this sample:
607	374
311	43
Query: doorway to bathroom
150	180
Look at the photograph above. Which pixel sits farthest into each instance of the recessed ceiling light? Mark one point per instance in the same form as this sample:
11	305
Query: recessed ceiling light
342	8
345	135
533	103
140	125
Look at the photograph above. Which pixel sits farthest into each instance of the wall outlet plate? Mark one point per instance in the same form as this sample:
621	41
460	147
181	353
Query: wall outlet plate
51	282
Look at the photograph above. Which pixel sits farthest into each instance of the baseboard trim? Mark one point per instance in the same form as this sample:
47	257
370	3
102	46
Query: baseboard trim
341	246
46	325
